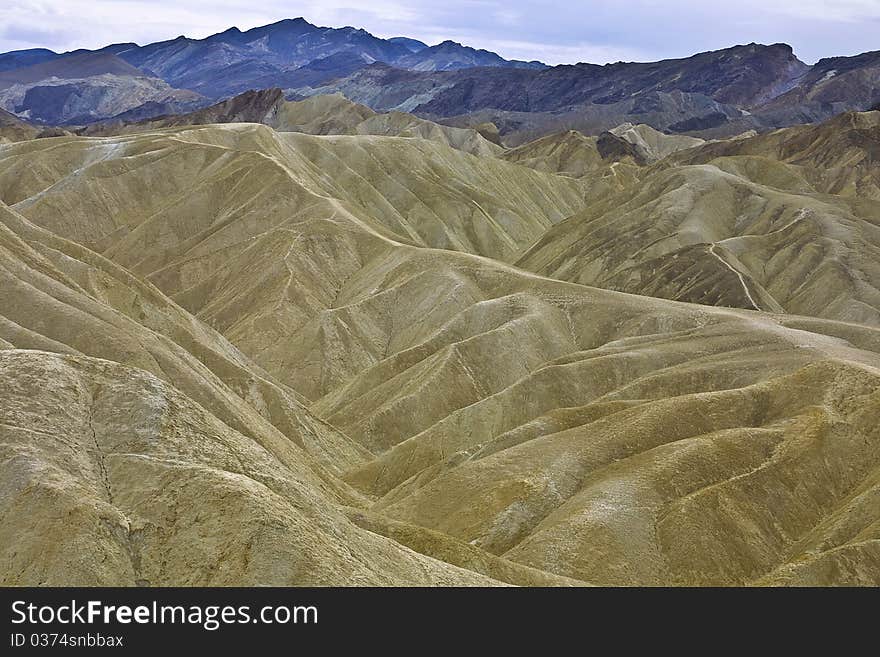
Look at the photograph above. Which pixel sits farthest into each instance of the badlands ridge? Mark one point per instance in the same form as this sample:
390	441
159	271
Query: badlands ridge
275	343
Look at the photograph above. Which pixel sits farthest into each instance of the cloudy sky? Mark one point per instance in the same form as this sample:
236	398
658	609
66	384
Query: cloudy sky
552	31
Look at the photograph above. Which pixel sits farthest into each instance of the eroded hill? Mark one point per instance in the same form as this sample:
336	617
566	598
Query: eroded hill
782	222
319	115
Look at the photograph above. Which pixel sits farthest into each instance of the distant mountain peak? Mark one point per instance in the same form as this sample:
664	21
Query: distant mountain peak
413	45
296	25
299	20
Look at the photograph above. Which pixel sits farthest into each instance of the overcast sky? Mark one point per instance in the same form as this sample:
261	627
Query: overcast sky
552	31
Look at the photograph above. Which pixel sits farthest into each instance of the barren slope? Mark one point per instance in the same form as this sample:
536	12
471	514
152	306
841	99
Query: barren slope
197	209
738	229
619	440
139	446
840	156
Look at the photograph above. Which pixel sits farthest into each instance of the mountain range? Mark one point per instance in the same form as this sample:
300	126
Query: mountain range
288	53
712	94
719	93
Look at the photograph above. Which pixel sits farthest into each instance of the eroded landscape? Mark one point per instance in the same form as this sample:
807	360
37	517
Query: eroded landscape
275	342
